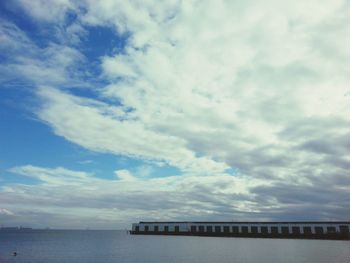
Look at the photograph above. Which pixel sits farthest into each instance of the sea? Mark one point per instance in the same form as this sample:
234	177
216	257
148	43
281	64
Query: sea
92	246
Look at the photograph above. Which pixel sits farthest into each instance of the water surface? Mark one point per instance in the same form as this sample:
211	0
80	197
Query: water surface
73	246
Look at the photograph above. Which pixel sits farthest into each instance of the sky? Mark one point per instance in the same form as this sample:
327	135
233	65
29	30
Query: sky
113	111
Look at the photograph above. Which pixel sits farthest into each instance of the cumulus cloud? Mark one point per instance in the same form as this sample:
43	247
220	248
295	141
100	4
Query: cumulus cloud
208	87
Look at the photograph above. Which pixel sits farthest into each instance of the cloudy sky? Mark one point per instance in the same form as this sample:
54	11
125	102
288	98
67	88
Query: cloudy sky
117	111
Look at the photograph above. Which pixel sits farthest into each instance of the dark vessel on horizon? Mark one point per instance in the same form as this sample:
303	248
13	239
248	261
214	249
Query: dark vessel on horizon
15	228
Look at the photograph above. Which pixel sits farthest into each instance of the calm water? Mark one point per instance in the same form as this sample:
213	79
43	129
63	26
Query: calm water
116	246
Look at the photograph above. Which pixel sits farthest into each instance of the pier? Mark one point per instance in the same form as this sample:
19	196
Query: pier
302	230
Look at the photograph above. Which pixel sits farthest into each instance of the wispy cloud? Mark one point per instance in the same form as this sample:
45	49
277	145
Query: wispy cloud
53	64
81	198
56	176
106	128
5	212
63	193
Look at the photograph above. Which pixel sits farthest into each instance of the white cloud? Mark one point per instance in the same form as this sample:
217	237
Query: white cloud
205	86
209	83
100	203
144	171
105	128
48	11
125	175
53	64
13	38
117	67
88	200
56	176
6	212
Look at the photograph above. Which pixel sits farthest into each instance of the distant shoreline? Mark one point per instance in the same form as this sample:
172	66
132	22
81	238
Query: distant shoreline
28	229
